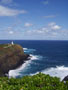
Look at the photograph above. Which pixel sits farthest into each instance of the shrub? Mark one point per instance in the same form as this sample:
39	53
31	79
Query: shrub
35	82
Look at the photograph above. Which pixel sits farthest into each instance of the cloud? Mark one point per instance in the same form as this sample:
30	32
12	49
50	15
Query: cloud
42	30
50	16
6	1
54	34
54	26
45	32
5	11
52	29
51	24
11	32
45	2
28	24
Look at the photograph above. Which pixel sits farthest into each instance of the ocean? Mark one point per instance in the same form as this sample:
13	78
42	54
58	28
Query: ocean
48	57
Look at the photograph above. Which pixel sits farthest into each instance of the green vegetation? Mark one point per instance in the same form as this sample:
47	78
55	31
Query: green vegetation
36	82
8	48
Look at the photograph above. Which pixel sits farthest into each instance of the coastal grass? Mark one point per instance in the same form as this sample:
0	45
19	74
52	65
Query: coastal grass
36	82
8	48
4	48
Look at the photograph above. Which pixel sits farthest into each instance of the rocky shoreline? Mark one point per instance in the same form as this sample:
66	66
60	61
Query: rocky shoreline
11	57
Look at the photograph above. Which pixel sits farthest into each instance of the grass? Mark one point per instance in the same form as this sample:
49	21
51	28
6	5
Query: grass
35	82
8	48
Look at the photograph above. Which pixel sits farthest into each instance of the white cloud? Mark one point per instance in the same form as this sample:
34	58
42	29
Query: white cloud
45	2
5	11
51	24
54	26
40	32
6	1
9	28
54	33
28	24
43	30
50	16
52	29
11	32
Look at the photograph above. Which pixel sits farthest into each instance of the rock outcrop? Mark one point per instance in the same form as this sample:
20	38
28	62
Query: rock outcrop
65	78
11	57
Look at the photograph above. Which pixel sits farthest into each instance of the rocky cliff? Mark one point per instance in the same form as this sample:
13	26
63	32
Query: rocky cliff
11	56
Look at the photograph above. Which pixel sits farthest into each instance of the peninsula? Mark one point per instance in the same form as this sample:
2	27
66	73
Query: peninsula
11	56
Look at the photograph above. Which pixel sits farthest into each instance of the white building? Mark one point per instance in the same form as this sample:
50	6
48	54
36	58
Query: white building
12	43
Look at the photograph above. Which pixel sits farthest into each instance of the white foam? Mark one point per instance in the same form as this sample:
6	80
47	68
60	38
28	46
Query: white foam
16	72
34	57
59	71
25	48
29	50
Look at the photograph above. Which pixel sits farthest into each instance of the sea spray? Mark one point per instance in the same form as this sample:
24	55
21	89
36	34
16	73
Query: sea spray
17	72
58	71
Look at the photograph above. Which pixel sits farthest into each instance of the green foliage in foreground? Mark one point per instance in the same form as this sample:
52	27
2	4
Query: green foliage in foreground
36	82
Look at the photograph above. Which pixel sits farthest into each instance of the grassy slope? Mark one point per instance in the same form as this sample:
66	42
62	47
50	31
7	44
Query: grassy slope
36	82
8	48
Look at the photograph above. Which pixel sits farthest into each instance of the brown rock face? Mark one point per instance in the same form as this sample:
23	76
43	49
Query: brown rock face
11	57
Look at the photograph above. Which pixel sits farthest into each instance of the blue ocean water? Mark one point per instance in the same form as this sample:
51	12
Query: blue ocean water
49	57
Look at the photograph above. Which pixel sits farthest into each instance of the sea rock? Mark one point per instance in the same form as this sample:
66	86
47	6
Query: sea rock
11	57
66	78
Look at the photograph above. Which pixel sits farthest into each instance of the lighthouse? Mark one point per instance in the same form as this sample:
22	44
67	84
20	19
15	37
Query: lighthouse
12	43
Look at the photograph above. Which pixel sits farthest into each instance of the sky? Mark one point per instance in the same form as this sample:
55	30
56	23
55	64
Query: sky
34	19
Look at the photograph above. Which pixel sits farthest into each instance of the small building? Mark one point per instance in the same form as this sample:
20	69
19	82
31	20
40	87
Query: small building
12	43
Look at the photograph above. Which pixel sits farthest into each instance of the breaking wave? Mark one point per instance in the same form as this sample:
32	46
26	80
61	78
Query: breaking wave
17	72
58	71
28	50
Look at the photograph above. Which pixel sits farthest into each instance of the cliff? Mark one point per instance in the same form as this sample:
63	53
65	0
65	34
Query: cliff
11	56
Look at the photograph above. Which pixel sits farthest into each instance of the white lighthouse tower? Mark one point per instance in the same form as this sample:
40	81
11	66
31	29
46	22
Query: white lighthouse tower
12	43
